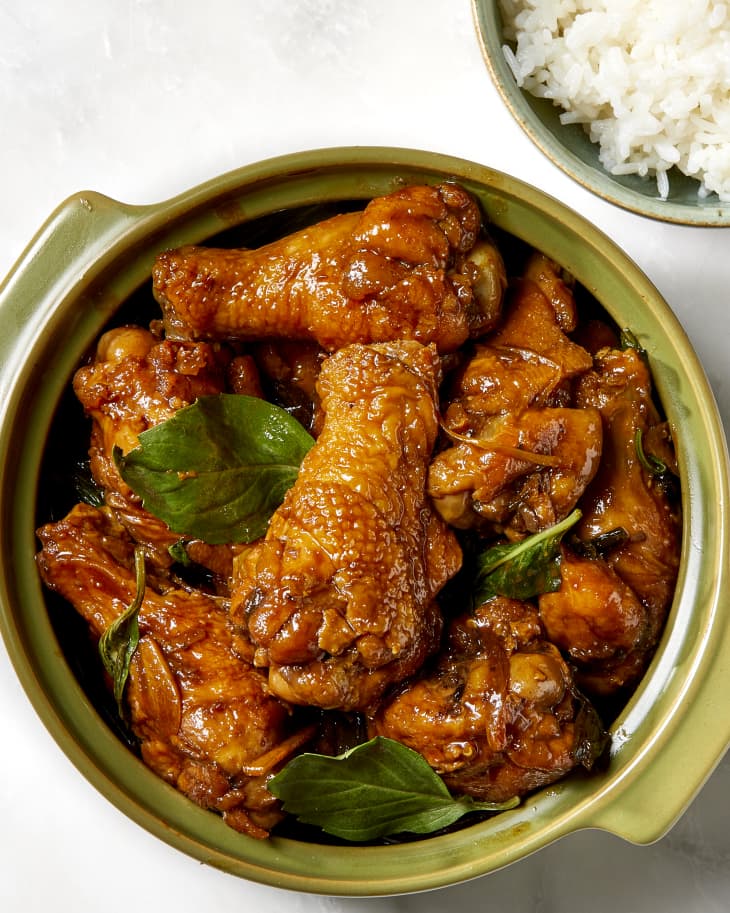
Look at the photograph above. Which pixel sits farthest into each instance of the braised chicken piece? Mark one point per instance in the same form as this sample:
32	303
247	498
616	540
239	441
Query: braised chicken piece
626	494
206	721
600	623
499	714
609	613
526	362
517	473
242	376
289	370
519	459
556	285
134	382
412	265
338	599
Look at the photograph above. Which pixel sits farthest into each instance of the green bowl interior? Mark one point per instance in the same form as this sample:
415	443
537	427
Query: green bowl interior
54	323
569	147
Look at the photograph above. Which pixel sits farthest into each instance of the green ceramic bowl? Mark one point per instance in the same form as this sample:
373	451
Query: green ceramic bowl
92	255
568	146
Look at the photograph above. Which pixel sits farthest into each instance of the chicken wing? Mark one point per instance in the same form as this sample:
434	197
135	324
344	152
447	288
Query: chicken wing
134	382
499	715
609	611
600	623
519	473
206	721
624	494
410	266
338	599
556	285
519	457
526	362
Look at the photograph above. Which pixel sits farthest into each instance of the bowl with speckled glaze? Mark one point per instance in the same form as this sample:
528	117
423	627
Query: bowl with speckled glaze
80	271
569	147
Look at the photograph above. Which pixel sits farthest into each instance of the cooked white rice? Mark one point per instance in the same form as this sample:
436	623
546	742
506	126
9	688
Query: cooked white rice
648	79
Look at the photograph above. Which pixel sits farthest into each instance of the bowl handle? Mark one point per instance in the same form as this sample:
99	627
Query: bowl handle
80	232
77	232
677	765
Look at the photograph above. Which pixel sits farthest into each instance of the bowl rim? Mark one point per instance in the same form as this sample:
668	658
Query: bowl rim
710	213
92	243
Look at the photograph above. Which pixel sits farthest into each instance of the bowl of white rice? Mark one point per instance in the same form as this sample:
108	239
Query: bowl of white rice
631	98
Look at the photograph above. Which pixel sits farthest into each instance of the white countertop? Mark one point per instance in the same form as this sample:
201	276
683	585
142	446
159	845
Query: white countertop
145	98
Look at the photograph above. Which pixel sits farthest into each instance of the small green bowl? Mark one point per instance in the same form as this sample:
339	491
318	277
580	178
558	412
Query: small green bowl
93	254
569	147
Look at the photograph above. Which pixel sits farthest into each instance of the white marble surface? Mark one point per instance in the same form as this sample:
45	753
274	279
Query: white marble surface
140	99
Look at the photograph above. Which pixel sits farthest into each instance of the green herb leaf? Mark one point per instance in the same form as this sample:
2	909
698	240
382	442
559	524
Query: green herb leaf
628	340
179	553
118	643
86	488
375	789
523	569
601	545
219	468
591	738
653	465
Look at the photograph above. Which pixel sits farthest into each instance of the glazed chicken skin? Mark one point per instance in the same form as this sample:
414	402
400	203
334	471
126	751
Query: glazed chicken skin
556	285
520	456
135	381
338	599
612	636
625	495
412	265
499	714
600	623
288	371
206	721
528	361
518	474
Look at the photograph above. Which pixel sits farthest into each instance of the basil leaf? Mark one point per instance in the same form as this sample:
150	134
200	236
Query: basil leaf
118	643
219	468
591	737
521	570
179	553
375	789
86	488
628	340
601	545
652	464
